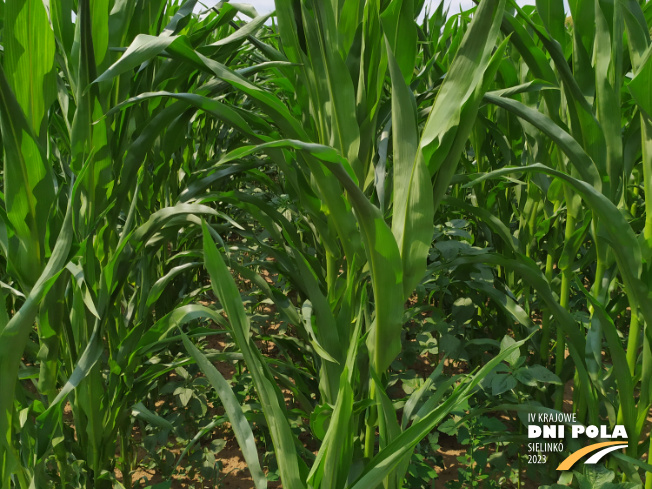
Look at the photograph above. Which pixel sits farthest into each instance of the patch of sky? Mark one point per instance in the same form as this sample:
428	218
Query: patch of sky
454	6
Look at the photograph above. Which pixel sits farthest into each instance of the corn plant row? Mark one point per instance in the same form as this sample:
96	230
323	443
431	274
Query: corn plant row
374	176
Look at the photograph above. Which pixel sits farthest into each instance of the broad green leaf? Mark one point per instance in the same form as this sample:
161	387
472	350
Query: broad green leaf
383	256
608	68
502	383
29	47
140	410
401	36
100	29
445	158
334	89
239	423
91	156
248	29
553	16
160	285
639	85
505	343
413	214
266	388
463	77
180	18
638	32
28	189
532	374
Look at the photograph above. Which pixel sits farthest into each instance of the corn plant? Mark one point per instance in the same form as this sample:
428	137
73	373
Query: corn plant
165	168
585	135
90	215
328	156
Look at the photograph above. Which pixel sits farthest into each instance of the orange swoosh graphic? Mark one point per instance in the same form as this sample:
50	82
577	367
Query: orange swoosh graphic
575	456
